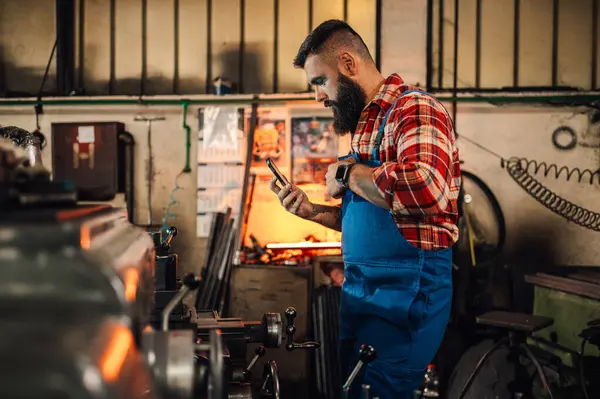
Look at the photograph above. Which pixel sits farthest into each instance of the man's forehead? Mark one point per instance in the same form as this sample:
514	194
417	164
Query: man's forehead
315	66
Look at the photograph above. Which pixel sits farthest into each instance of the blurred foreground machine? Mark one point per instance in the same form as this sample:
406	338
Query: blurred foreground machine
76	299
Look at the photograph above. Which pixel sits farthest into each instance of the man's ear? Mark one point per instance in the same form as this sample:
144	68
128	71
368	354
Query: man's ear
348	63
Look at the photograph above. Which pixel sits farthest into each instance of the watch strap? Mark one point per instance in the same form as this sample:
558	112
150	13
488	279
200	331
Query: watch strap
345	169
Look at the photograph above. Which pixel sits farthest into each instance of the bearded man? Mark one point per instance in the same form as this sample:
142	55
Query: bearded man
399	187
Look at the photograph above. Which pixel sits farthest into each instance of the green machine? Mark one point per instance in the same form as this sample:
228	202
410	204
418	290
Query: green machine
573	301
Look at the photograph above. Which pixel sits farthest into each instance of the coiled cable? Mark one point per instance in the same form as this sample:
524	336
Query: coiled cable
522	171
169	215
519	169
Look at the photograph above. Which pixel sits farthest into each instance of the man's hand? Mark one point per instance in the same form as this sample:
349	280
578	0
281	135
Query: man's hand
293	199
334	188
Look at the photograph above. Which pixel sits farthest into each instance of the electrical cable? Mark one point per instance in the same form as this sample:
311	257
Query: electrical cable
38	108
522	171
540	371
581	369
169	215
479	365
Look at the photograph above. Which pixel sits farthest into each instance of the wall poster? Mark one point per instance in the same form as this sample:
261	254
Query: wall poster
270	141
314	148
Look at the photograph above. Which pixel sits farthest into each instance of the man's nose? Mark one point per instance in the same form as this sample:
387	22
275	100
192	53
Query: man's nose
320	96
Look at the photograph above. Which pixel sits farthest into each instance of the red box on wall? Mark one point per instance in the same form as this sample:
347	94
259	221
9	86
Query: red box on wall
94	156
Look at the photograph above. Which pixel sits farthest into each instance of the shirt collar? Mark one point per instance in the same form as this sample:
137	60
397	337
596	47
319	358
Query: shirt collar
388	92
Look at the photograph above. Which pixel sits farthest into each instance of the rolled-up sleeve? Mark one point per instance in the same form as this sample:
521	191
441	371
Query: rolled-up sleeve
419	182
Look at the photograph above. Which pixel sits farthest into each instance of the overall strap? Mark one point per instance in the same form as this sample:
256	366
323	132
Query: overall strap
381	131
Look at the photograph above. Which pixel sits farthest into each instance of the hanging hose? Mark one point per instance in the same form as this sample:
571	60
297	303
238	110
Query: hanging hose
522	171
519	169
169	216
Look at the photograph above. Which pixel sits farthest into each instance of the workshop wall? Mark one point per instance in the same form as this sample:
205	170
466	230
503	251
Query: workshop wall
508	130
535	235
178	58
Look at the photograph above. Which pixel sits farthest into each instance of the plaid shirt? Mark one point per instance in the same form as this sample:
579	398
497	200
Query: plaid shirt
420	172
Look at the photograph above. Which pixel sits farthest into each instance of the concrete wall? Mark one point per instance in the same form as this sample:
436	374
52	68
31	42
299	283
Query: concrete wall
533	231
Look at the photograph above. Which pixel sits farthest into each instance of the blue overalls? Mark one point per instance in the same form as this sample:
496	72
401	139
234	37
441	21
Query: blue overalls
395	297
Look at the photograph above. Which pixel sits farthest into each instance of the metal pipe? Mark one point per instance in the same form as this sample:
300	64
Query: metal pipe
429	83
310	15
594	44
222	100
65	50
246	100
441	44
113	48
555	11
478	24
241	68
144	72
250	145
208	46
188	136
455	76
81	46
378	23
150	169
275	46
516	44
183	291
175	46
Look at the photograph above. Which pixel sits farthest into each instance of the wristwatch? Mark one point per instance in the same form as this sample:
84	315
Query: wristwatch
343	173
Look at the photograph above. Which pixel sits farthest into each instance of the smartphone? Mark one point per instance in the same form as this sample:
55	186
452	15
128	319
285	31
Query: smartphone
282	179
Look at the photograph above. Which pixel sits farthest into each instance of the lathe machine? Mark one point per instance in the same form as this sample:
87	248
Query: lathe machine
77	291
90	306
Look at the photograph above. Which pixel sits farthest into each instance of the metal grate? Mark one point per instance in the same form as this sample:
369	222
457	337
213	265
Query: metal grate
150	47
467	24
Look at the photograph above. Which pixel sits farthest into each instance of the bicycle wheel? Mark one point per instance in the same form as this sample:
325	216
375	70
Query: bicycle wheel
481	222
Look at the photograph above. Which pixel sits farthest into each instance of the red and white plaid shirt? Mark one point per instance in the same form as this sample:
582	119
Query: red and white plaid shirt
420	172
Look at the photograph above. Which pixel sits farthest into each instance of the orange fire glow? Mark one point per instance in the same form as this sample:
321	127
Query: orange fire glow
113	358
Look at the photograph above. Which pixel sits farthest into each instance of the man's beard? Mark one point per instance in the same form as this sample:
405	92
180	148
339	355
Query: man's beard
348	106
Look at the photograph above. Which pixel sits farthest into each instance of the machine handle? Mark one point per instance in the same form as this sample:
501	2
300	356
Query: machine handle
190	283
258	353
366	355
290	330
270	387
170	233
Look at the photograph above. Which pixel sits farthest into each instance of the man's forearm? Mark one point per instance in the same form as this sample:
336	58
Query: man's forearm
361	183
328	216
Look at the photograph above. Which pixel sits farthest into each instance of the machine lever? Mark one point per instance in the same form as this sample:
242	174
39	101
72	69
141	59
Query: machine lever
290	330
170	233
258	353
190	283
366	355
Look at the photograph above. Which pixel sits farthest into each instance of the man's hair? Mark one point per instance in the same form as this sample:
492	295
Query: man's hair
18	135
329	37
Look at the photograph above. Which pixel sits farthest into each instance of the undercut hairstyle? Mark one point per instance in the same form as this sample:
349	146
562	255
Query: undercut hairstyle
329	39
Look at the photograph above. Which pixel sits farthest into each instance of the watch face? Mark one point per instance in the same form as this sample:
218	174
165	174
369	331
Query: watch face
339	174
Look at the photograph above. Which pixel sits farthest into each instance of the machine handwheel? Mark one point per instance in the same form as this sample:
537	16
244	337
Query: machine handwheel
216	379
270	387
